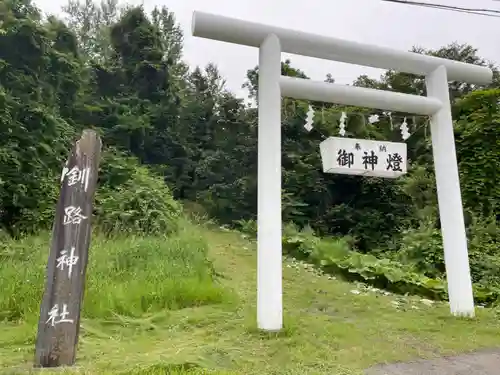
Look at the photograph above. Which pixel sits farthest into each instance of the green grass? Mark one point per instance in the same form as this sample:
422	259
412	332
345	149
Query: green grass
126	275
331	327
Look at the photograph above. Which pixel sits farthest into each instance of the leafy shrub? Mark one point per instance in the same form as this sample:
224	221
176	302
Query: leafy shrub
335	255
247	226
299	243
131	198
382	273
422	248
303	243
484	251
46	197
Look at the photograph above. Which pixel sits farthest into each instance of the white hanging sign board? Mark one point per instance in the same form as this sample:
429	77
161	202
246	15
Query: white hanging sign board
363	157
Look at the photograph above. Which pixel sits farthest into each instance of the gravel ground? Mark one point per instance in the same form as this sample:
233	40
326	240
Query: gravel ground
478	363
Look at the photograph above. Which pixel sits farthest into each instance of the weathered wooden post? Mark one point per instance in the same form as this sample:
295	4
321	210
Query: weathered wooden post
59	322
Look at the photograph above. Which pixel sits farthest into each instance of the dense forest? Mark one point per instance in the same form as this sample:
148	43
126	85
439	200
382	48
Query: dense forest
175	137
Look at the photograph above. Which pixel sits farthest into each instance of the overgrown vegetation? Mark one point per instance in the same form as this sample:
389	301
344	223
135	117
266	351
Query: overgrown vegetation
134	200
416	269
129	276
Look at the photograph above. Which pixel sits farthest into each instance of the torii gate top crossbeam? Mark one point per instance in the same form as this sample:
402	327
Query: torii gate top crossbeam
252	34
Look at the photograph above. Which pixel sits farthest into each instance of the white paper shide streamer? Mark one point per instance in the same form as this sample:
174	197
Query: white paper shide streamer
343	118
309	119
404	130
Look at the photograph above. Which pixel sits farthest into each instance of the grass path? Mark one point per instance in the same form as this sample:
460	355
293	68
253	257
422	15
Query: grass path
332	327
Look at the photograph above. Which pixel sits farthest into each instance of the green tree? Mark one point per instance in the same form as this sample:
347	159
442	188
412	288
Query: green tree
478	150
39	81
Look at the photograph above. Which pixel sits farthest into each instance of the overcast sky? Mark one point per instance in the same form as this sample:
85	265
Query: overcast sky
369	21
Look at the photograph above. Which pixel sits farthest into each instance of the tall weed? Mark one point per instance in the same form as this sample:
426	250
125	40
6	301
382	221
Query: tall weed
128	275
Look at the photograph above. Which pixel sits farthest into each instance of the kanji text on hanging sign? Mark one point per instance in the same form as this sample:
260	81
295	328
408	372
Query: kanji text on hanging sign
363	157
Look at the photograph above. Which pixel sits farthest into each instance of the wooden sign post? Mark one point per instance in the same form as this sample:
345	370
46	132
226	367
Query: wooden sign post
59	322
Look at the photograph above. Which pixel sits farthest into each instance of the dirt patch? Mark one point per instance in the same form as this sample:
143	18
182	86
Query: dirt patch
486	362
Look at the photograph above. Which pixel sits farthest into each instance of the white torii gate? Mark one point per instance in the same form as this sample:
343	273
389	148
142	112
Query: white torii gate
272	41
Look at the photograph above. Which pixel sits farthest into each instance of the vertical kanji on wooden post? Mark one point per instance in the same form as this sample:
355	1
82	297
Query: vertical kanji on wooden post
59	323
